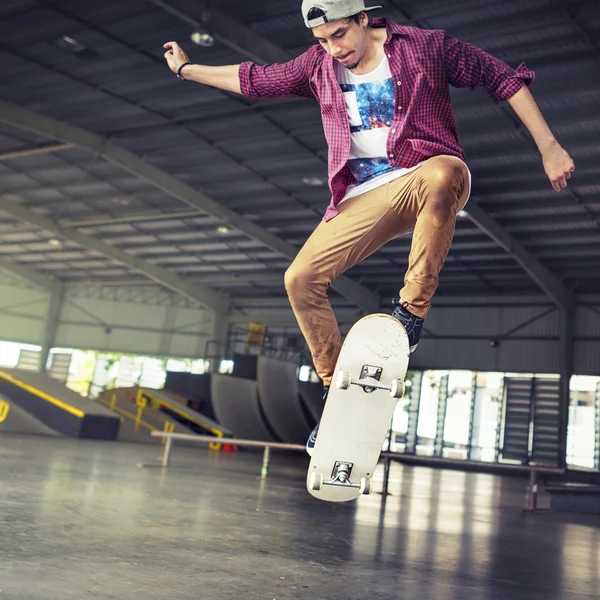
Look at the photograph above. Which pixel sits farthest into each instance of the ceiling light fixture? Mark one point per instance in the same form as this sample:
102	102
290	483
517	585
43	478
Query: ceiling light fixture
313	181
223	229
203	38
72	46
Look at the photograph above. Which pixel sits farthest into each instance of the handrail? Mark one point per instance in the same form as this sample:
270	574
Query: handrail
533	470
227	441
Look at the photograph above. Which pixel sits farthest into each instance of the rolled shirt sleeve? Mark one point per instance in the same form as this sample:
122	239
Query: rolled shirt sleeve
469	66
285	80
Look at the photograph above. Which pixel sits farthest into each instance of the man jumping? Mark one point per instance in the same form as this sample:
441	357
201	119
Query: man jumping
395	164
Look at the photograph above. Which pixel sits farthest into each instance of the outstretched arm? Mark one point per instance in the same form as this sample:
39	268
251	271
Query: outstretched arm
557	162
286	80
226	78
472	67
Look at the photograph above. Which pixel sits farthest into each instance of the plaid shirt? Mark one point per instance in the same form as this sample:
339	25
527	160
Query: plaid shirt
423	63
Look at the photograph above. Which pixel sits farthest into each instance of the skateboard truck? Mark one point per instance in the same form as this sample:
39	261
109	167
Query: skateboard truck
340	476
369	383
341	472
370	372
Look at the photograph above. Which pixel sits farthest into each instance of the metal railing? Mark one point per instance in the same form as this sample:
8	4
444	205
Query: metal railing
211	440
534	471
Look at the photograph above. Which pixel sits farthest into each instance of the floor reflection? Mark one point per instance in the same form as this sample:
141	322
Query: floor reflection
74	508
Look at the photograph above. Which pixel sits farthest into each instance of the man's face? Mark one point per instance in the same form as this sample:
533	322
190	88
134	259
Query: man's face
345	40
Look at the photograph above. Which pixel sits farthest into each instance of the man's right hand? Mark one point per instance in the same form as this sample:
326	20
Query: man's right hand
225	78
175	56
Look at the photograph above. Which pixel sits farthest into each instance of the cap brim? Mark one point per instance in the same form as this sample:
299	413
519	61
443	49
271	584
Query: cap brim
321	21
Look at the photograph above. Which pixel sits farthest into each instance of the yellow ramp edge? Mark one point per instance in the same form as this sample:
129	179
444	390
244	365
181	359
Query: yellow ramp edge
169	426
59	403
127	414
172	406
182	413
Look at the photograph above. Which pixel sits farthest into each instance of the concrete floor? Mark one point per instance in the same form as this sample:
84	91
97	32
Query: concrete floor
80	519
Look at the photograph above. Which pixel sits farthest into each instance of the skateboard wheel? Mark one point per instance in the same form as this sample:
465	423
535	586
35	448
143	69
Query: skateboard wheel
397	388
365	485
343	380
315	481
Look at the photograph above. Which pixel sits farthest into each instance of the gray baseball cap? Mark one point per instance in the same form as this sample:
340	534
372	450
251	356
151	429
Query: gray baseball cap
333	9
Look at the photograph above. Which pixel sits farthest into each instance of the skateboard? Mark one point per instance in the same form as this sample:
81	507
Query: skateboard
367	382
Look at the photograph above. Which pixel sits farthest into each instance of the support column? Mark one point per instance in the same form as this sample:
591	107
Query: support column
414	406
215	346
166	338
567	351
438	444
475	422
55	306
597	429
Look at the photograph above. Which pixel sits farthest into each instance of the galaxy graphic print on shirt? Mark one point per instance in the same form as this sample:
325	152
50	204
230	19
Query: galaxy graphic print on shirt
370	107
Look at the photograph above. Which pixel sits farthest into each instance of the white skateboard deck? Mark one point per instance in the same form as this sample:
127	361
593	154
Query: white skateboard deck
356	420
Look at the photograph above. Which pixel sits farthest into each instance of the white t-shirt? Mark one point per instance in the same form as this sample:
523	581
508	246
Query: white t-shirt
370	101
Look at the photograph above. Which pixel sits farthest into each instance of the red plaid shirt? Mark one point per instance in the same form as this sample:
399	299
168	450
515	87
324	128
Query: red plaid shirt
423	63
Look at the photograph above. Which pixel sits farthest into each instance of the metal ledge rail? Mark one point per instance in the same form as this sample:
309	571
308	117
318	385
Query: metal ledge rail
533	470
209	439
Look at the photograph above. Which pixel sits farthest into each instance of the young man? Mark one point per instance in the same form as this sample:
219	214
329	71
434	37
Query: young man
395	165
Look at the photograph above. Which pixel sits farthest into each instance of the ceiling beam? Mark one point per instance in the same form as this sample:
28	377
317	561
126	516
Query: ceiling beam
212	279
34	151
553	287
199	293
42	125
288	320
32	276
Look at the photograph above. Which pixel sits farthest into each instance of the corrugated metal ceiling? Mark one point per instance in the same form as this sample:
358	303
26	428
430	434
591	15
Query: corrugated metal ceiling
255	157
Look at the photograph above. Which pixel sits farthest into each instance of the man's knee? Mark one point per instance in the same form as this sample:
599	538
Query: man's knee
299	278
446	178
445	173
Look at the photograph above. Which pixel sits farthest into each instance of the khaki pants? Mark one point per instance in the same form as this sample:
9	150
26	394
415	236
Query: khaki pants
425	201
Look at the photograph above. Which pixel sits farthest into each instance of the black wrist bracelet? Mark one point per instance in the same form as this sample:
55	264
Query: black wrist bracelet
181	67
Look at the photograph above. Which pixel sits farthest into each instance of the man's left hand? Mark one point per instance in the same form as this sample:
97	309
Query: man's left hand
558	166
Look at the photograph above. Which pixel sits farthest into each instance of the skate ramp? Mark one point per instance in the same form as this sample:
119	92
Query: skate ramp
195	388
51	403
236	405
176	407
279	396
144	410
13	419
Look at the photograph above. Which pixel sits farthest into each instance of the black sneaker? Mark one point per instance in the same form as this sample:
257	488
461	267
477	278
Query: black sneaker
310	444
412	324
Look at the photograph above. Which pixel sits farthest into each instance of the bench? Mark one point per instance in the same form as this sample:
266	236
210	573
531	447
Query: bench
575	497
